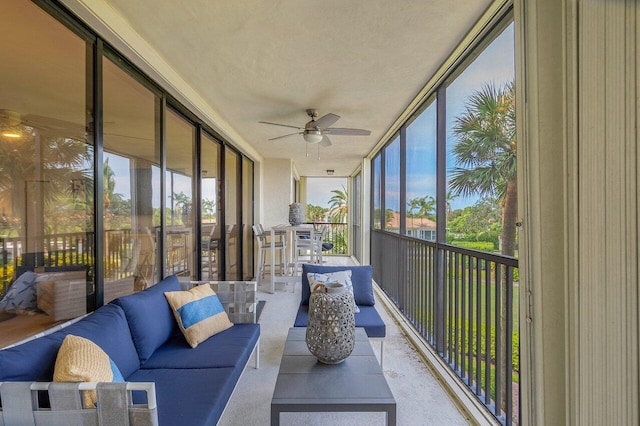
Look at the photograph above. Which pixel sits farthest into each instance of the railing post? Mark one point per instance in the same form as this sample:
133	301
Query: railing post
439	273
441	216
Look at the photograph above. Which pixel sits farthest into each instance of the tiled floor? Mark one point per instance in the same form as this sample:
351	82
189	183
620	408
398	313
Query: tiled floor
420	398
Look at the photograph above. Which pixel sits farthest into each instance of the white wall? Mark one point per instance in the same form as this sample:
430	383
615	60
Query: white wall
277	191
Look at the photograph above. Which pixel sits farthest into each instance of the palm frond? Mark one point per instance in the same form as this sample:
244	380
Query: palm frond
485	148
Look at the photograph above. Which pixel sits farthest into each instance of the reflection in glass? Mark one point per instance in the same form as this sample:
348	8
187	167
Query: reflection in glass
232	233
421	175
377	193
247	219
131	183
209	205
357	181
46	175
392	186
179	244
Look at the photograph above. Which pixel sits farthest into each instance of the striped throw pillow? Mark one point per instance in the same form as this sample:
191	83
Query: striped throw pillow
199	313
81	360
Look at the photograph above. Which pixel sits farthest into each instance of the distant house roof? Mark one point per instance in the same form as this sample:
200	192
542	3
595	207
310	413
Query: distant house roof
412	222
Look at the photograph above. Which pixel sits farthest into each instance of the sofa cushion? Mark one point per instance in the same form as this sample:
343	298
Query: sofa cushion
368	318
191	397
150	317
361	278
107	327
81	360
198	312
230	348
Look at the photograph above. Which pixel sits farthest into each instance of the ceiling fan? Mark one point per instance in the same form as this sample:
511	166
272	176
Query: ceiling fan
316	131
13	124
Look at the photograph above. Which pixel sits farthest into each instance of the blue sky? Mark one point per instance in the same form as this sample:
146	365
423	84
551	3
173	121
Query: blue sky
494	65
121	167
319	189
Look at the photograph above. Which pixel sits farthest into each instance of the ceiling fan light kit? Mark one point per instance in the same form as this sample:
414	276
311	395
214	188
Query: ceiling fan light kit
316	131
312	136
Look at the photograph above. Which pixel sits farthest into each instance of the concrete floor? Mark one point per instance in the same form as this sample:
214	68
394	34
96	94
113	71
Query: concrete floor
420	398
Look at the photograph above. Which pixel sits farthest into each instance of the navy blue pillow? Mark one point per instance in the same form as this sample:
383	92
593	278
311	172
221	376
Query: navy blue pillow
361	277
150	317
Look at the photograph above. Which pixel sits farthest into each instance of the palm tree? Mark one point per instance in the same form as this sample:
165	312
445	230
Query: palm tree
450	197
485	154
424	207
47	164
427	206
338	205
412	207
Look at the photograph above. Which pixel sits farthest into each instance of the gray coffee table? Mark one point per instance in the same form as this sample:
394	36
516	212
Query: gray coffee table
306	385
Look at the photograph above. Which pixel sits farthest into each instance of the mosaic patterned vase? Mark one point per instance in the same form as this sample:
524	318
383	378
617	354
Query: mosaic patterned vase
331	326
296	214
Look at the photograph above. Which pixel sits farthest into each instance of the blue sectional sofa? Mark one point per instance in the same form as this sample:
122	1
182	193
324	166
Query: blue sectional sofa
361	278
140	334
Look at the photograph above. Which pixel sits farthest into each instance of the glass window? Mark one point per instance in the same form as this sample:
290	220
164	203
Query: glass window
210	211
377	193
357	214
481	151
247	218
392	185
46	167
131	182
179	247
421	175
231	215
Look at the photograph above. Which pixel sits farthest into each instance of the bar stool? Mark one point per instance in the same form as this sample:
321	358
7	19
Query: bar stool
264	244
306	241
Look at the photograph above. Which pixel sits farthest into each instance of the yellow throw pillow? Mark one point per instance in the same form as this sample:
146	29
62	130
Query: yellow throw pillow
81	360
199	313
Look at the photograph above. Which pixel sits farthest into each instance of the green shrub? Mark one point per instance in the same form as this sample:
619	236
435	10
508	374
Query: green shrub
463	343
475	245
490	237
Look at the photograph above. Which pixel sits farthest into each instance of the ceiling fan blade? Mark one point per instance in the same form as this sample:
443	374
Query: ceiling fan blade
40	121
62	133
325	141
283	125
285	136
326	120
348	132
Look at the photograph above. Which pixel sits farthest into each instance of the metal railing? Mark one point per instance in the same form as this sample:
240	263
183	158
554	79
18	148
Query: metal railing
464	303
336	234
60	251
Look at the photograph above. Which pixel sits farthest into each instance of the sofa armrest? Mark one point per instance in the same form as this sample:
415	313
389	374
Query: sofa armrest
20	401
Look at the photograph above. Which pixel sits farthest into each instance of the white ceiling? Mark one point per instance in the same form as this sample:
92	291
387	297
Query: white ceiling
254	60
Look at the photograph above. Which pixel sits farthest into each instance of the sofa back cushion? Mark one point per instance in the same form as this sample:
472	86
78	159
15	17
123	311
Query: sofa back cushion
361	278
150	317
107	327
